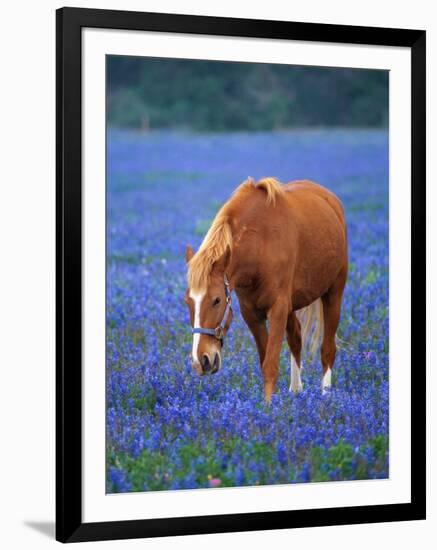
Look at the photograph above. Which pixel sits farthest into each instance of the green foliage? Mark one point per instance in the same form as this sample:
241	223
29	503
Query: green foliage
155	471
127	109
342	462
221	96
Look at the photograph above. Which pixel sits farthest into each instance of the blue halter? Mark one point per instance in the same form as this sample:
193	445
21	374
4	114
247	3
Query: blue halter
219	331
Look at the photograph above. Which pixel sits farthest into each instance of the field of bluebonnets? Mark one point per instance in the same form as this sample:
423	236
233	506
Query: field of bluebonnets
167	428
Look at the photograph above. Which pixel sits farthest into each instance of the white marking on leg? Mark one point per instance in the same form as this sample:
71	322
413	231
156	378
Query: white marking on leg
197	298
295	381
326	380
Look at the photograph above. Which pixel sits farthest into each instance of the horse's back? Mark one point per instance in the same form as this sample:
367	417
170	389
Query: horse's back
307	189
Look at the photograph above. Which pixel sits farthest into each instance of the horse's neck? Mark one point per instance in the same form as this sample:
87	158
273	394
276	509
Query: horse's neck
236	272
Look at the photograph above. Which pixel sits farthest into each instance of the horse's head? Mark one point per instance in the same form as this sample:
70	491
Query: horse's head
210	315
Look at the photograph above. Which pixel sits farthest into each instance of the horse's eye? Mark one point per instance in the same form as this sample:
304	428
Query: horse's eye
216	302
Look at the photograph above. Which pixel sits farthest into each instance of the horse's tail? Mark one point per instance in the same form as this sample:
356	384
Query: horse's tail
311	320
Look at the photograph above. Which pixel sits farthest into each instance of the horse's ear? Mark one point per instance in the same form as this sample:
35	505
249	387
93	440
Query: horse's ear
189	253
222	263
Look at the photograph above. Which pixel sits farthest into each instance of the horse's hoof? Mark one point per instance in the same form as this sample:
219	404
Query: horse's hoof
326	381
296	389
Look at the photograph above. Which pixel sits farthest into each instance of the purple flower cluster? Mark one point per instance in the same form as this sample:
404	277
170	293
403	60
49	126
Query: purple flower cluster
167	428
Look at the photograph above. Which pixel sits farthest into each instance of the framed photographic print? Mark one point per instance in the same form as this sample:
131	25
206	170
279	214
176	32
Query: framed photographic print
240	274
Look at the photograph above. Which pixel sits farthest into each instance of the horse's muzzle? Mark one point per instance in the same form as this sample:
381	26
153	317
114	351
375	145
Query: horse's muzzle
207	366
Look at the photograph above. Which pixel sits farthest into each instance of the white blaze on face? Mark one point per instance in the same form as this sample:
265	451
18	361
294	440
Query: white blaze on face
197	298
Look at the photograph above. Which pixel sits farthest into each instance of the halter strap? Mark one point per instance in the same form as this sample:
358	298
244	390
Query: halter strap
219	331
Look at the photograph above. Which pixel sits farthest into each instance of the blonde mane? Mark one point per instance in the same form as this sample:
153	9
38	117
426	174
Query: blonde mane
272	187
219	235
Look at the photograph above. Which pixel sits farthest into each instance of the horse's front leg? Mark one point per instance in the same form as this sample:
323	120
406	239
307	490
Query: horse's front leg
277	316
257	327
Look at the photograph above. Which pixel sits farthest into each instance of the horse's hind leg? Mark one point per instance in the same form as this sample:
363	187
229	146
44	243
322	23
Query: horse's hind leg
331	318
294	340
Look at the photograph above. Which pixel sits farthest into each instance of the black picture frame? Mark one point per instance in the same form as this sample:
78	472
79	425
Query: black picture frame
69	24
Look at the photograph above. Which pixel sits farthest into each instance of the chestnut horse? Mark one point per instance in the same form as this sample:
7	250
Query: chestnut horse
283	250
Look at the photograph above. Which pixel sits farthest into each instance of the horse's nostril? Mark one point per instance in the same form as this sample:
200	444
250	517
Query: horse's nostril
216	364
206	364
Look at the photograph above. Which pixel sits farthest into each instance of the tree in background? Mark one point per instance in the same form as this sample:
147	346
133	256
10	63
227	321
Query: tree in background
217	96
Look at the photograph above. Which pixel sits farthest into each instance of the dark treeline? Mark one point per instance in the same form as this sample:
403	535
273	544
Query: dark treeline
222	96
